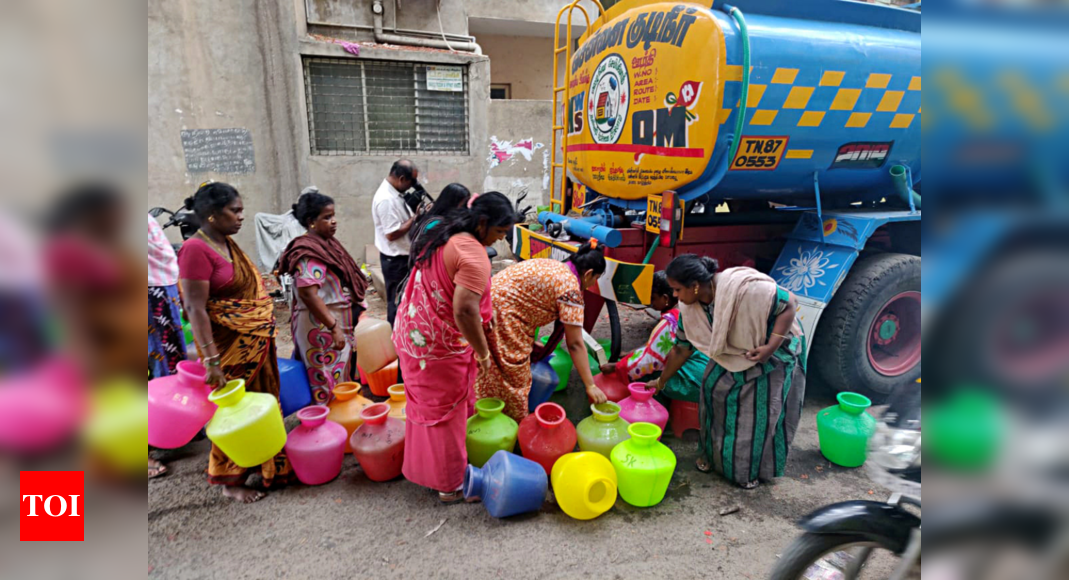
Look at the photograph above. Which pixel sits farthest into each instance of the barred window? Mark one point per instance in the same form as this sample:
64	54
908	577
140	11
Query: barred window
367	107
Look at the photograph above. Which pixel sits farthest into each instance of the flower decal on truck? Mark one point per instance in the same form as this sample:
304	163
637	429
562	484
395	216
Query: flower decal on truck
805	271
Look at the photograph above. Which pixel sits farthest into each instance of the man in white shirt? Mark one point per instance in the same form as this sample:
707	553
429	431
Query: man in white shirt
393	219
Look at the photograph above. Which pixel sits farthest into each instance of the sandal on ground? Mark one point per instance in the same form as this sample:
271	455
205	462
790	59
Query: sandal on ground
451	497
750	485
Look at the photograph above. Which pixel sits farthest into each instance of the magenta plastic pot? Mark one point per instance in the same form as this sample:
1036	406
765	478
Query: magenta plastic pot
316	447
640	407
178	406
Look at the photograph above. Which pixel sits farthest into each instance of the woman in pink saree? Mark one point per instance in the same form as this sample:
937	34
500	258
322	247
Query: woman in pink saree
440	336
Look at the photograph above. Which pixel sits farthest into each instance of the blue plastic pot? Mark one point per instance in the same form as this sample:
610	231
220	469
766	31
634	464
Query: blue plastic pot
543	382
294	391
507	485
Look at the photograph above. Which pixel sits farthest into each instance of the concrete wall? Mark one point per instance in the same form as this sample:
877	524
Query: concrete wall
352	179
238	64
355	19
525	10
517	150
223	65
525	62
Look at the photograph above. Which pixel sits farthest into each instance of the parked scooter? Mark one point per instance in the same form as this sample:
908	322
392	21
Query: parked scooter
843	538
974	536
185	219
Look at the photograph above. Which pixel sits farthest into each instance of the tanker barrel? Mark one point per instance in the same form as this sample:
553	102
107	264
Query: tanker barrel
583	229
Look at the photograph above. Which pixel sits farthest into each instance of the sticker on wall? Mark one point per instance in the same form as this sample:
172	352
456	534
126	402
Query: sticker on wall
759	153
502	151
862	155
448	79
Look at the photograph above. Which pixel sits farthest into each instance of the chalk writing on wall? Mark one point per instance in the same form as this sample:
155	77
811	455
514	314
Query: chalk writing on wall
218	150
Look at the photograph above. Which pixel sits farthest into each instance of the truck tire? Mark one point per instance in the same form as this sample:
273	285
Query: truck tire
869	338
614	330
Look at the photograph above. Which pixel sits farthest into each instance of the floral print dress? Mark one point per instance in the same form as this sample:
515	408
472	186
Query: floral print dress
526	296
311	340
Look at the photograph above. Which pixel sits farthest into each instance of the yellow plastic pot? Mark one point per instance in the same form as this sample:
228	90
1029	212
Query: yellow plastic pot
584	484
117	429
247	426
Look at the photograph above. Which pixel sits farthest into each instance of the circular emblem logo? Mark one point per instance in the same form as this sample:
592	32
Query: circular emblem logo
609	93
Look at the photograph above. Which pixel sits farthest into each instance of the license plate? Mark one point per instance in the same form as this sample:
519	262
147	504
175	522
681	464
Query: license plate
759	153
653	214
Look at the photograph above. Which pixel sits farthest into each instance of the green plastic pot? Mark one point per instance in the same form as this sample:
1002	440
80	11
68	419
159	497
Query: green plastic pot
561	361
965	431
643	465
489	431
844	430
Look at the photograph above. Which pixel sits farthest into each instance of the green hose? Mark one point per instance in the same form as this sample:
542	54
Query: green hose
740	121
649	254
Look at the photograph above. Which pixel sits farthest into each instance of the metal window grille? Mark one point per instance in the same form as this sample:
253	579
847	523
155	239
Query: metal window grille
366	107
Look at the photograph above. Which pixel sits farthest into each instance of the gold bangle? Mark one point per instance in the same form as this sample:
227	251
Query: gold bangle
781	336
482	359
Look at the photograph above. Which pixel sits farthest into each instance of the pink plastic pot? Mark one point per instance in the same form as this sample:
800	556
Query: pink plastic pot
316	447
42	408
178	406
641	408
379	444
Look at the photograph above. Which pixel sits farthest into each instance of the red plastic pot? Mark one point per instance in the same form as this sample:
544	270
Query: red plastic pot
379	443
546	435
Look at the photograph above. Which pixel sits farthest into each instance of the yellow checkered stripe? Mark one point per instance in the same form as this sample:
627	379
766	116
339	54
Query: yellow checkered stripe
765	113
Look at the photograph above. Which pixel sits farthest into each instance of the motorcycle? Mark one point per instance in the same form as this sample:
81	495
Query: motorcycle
842	539
186	221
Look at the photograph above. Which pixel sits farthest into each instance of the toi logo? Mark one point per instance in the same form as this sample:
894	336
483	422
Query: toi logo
51	506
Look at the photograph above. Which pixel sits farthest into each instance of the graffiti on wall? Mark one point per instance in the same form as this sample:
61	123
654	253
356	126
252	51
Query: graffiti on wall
503	151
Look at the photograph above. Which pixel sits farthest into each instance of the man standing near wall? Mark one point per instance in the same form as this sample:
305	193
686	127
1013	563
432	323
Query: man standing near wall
393	219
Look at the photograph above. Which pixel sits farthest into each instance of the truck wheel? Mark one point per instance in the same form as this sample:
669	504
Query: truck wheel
869	339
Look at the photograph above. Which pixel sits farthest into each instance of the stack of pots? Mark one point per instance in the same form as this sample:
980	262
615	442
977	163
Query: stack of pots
375	355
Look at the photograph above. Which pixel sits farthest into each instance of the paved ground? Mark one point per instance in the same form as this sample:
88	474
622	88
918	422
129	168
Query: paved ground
354	528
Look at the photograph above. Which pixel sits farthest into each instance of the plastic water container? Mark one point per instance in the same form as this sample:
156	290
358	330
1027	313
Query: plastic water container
247	426
178	406
316	447
546	435
844	430
507	485
489	431
602	431
641	407
643	465
379	444
294	392
346	407
374	345
543	384
584	484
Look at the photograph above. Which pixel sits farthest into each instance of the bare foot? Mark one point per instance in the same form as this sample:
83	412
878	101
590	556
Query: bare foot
703	465
155	468
240	493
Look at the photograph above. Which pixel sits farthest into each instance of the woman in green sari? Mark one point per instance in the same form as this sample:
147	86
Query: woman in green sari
752	393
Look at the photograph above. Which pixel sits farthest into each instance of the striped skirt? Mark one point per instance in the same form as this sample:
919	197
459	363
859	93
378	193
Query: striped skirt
748	418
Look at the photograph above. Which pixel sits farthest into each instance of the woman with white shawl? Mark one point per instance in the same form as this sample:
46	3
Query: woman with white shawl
754	386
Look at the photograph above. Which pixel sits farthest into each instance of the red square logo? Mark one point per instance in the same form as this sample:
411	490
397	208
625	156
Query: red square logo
51	506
